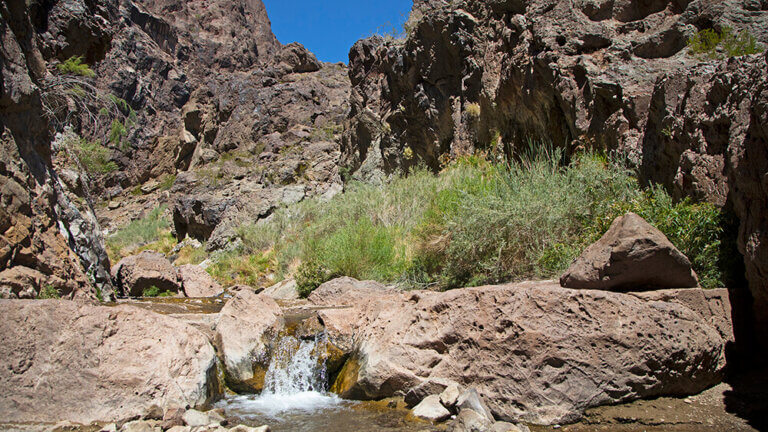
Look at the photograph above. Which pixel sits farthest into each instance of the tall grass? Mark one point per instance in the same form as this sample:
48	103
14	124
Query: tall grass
476	222
153	231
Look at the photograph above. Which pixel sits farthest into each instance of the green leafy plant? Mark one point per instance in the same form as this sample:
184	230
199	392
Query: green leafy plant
472	110
476	222
91	156
48	292
711	44
75	66
154	291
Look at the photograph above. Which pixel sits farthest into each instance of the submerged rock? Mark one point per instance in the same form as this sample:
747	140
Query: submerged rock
631	256
123	358
534	351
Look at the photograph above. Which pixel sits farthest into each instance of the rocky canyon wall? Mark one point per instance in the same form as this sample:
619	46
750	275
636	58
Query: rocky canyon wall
612	75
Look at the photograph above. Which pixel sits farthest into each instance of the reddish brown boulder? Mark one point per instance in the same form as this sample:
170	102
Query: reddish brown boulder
136	273
534	351
631	256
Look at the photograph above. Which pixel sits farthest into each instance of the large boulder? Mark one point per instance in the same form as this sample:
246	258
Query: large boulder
196	282
136	273
631	256
124	359
244	327
534	351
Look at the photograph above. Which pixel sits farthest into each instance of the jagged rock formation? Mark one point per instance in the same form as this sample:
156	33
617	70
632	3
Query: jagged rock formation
716	148
209	93
50	238
613	75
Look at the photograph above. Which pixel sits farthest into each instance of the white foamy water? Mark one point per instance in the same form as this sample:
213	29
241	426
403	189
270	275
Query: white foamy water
296	381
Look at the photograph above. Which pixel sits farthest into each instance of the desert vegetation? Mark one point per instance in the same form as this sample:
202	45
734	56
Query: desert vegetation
476	222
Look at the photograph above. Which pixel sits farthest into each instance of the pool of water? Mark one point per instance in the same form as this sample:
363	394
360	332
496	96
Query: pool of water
314	411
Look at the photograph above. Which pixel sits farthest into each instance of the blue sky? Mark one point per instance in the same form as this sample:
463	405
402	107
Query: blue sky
328	28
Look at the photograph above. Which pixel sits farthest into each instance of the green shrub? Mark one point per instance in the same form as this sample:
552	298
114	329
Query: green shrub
476	222
116	132
712	45
166	182
153	228
75	66
473	110
48	292
94	158
154	291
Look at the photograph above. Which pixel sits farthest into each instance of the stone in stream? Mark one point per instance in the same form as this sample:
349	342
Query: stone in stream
244	326
123	357
534	351
470	421
631	256
431	409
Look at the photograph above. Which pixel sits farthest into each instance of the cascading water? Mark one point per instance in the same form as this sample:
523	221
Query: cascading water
296	399
296	381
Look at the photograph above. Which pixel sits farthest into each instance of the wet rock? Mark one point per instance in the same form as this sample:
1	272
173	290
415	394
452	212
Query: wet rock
172	417
244	327
243	428
430	386
126	358
136	273
195	418
470	400
515	334
631	256
431	409
196	282
509	427
140	426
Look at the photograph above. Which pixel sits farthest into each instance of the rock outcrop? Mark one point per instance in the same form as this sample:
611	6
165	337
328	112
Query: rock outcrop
631	256
43	231
706	137
615	76
124	359
534	351
244	328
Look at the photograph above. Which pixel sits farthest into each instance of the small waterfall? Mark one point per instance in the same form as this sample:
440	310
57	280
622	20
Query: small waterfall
297	366
296	382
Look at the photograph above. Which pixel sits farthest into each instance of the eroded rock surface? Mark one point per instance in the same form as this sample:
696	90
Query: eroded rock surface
631	256
245	327
196	282
534	351
123	358
136	273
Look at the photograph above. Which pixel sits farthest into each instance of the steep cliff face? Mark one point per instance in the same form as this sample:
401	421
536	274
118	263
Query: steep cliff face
201	89
707	137
495	74
614	75
48	242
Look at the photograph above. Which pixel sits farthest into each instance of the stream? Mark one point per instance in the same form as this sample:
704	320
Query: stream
296	397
